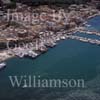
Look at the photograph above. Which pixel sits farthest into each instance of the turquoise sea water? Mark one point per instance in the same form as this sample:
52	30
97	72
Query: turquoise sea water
69	59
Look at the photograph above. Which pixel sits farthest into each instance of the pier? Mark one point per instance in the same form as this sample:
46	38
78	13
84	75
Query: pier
89	32
87	40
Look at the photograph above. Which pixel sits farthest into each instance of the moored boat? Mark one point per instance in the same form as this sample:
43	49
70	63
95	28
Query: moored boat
2	65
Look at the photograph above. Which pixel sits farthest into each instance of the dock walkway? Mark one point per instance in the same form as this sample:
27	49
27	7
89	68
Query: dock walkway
87	40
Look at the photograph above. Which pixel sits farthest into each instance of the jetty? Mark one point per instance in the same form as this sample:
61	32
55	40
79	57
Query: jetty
87	40
90	32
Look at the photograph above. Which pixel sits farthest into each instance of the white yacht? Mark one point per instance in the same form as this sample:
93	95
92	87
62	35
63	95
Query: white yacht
2	65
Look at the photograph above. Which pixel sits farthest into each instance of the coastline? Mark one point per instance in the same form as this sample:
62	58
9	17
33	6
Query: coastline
47	41
5	55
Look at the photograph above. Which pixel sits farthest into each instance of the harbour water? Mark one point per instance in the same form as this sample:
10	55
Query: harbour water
92	36
95	23
69	59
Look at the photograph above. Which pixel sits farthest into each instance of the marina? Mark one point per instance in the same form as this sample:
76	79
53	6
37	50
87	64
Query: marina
42	45
44	32
51	41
